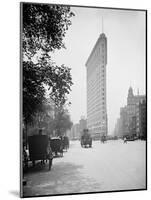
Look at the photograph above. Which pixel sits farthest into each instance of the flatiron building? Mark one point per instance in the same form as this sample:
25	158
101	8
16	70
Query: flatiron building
97	121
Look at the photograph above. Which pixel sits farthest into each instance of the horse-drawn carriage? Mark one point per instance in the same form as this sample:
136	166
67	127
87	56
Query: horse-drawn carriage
58	144
65	140
39	150
86	139
103	138
42	148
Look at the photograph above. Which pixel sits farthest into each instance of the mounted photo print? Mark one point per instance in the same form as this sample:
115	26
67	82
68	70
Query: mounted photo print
83	99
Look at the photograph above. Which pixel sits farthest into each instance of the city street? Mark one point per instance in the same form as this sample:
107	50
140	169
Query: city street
104	167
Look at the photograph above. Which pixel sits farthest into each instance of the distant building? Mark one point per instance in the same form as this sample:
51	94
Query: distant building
75	131
117	129
124	121
132	126
132	116
141	125
82	125
96	89
133	102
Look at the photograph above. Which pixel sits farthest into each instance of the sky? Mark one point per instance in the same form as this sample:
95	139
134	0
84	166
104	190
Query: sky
125	32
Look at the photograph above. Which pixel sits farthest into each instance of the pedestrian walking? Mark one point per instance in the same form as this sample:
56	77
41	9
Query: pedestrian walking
125	140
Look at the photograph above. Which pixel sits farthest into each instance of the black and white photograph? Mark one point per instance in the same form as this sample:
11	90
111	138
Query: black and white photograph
83	99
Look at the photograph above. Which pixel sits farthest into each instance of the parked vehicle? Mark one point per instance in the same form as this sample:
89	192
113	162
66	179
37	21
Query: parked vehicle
86	139
56	144
65	143
103	138
39	149
128	138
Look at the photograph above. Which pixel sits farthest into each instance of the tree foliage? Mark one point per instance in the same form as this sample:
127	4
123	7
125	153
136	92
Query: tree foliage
44	27
62	122
43	117
33	90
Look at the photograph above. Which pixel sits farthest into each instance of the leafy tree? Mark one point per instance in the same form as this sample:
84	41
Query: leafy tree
62	122
43	115
33	90
59	86
44	27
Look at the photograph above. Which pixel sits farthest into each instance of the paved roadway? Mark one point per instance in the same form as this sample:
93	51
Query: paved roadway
104	167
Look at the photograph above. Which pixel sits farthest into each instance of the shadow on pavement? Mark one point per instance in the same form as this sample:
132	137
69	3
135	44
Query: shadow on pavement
39	167
64	178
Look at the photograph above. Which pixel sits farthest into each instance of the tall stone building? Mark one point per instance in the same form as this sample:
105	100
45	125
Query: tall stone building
96	89
124	120
133	116
141	120
134	103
